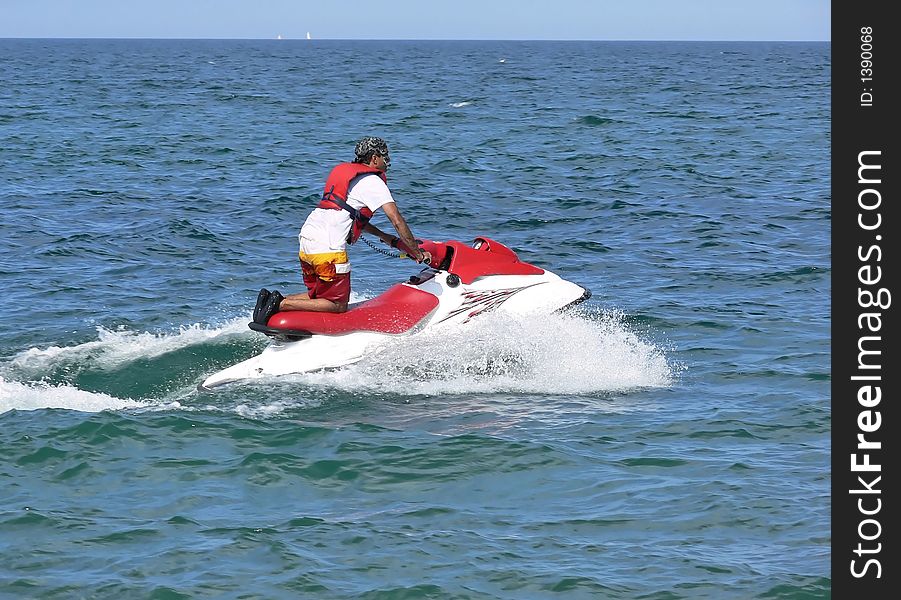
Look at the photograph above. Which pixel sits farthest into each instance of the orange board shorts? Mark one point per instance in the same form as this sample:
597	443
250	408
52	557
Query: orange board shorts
327	275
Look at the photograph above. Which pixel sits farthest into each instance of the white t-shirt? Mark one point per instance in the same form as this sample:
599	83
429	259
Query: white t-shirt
325	230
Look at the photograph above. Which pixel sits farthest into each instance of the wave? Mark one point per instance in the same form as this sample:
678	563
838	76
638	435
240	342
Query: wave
593	120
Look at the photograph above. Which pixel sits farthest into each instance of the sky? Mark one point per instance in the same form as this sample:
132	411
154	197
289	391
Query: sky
747	20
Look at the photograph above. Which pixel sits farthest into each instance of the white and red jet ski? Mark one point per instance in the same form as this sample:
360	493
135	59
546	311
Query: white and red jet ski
463	282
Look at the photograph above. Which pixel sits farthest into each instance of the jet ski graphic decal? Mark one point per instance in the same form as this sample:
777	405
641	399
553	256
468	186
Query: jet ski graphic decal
482	301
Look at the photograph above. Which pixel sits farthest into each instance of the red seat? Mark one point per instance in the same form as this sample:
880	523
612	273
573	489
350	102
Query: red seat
397	310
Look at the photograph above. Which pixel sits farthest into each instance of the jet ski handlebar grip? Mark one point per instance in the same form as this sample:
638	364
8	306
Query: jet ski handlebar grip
400	245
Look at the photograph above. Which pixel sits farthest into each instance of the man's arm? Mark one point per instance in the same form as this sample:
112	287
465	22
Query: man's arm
403	230
385	237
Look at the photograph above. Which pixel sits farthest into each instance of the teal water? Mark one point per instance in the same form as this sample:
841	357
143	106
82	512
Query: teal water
669	440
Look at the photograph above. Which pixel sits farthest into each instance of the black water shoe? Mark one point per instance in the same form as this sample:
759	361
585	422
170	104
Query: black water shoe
261	302
271	307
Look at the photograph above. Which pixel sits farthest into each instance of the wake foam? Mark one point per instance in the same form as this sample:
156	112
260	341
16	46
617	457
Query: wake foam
113	349
35	395
580	353
43	377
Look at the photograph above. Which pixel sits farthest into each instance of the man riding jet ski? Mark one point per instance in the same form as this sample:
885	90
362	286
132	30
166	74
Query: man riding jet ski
319	329
353	192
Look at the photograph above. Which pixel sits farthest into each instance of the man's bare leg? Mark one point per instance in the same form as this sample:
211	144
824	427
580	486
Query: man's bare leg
304	302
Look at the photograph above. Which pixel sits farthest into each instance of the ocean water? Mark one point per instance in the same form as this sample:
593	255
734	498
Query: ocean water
669	439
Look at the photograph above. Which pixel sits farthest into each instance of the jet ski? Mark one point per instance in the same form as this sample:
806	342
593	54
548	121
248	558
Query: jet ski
461	282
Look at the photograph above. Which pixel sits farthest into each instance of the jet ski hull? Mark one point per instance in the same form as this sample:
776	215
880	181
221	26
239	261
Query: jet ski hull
436	298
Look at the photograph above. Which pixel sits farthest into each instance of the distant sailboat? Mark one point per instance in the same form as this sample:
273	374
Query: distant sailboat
309	37
278	37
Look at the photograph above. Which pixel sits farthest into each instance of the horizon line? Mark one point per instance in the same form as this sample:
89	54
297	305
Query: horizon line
303	39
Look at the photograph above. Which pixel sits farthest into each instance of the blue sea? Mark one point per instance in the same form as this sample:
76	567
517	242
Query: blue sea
668	439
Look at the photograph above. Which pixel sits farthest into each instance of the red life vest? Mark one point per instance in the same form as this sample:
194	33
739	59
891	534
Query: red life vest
334	196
